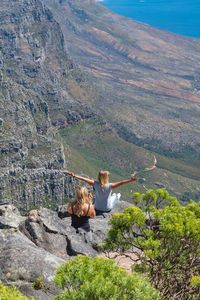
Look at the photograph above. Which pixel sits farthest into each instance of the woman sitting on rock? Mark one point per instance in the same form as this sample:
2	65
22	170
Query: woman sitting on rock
81	210
104	199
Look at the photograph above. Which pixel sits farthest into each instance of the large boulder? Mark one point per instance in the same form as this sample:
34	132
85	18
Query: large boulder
56	235
99	225
22	262
9	216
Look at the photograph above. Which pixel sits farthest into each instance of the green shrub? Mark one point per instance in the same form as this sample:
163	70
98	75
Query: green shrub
195	281
38	284
84	278
11	293
166	242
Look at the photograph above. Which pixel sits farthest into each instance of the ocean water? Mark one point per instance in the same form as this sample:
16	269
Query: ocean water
177	16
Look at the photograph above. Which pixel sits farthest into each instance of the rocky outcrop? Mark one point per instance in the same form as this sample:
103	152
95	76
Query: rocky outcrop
34	187
10	217
34	246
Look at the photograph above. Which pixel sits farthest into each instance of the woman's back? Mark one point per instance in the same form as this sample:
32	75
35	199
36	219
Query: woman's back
81	221
81	209
102	196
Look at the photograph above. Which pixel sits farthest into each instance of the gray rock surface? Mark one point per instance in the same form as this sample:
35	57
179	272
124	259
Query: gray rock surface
22	262
39	243
10	217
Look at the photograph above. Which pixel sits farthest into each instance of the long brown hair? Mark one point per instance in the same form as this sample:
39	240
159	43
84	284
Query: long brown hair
81	200
103	177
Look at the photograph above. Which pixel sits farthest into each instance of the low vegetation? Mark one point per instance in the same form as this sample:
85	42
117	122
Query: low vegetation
84	278
11	293
165	241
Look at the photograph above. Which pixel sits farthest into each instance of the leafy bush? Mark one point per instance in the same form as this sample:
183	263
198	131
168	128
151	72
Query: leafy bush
84	278
11	293
166	242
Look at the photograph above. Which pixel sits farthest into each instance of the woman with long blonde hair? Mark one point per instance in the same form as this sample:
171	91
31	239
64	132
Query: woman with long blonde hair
81	210
104	199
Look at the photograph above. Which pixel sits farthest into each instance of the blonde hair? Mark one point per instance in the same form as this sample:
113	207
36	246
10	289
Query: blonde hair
81	200
103	177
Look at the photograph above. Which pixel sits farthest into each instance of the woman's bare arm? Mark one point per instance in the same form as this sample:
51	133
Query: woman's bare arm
69	208
92	212
116	184
87	180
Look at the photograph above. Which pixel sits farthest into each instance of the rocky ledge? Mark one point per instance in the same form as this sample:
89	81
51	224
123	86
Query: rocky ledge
34	246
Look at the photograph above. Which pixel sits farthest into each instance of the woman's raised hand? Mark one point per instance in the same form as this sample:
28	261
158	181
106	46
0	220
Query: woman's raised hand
69	173
134	178
90	197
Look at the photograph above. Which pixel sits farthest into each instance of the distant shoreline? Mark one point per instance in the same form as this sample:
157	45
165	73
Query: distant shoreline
182	20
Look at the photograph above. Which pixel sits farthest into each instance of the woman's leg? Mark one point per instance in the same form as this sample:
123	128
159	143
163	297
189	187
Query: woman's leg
88	236
113	199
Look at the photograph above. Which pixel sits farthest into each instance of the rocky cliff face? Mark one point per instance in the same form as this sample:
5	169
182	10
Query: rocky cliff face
35	77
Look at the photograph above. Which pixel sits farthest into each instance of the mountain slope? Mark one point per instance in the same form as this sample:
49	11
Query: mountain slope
148	78
53	115
147	81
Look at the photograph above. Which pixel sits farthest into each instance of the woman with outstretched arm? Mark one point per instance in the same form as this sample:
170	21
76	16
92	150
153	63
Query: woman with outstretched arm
104	199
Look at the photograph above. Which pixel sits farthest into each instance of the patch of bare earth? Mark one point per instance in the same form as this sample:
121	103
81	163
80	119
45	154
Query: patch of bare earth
125	261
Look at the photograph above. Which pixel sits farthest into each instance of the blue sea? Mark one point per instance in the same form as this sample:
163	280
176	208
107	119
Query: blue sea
178	16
